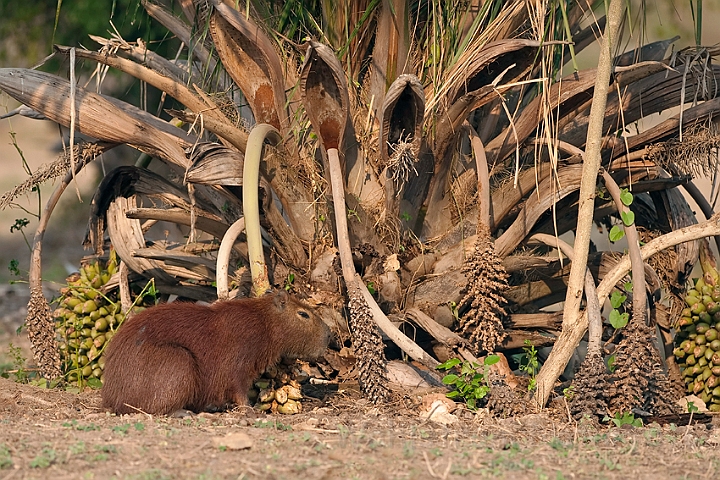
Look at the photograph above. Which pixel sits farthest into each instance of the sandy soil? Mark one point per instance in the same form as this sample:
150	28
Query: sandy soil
62	435
56	434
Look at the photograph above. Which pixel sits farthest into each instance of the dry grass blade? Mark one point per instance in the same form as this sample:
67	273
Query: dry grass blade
212	118
98	116
84	152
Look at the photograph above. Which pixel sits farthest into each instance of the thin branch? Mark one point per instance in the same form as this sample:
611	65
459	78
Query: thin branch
572	320
702	202
638	270
593	303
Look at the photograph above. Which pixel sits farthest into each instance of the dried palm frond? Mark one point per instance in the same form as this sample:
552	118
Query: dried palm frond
695	154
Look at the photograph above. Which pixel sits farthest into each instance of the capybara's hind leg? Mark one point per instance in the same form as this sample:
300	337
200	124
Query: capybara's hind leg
163	379
175	380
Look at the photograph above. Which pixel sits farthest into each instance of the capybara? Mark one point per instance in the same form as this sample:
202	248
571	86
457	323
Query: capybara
184	355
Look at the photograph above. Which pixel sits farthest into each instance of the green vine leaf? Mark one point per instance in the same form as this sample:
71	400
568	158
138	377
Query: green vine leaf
628	217
616	233
449	364
626	197
491	359
618	320
617	299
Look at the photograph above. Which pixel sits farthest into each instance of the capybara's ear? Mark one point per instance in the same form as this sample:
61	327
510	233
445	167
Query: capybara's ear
281	299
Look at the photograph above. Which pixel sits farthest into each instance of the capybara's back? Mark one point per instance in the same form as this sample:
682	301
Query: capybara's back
199	357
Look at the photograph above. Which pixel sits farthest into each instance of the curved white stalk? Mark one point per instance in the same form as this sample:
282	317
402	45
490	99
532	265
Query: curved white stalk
223	257
251	207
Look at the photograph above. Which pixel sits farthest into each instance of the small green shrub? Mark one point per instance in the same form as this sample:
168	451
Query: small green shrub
470	383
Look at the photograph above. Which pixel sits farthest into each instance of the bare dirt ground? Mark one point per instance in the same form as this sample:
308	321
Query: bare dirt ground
58	434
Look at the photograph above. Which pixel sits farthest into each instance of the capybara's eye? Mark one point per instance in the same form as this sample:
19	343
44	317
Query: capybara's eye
303	314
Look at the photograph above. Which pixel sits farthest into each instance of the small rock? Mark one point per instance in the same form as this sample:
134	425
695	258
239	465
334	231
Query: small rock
436	407
233	441
392	264
444	316
404	375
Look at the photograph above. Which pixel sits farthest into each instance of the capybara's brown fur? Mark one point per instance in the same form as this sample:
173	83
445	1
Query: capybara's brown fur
184	355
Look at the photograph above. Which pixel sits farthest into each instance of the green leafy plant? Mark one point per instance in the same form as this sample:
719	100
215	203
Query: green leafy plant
371	288
454	309
289	280
611	362
624	418
273	425
353	213
13	267
5	457
44	459
470	384
18	365
618	319
121	429
19	226
530	363
617	232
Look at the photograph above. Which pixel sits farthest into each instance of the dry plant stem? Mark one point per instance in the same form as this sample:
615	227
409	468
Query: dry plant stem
353	280
124	283
708	228
341	226
223	257
638	269
572	320
35	273
251	207
51	368
456	342
593	304
483	176
384	323
702	202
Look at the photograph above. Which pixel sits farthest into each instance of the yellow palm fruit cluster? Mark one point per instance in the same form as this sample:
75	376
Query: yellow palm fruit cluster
278	390
85	321
698	341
